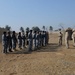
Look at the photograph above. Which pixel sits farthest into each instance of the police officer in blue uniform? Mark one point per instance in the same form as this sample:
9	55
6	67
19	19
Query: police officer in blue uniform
9	41
14	40
38	37
30	40
20	40
4	42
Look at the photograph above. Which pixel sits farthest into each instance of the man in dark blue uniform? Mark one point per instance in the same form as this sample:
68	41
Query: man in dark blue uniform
9	42
30	39
14	40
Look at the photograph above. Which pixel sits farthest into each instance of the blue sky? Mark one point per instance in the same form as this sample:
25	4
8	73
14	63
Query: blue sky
29	13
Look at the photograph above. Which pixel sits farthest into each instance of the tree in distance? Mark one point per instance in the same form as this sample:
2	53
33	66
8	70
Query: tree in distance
36	28
7	27
27	29
21	29
43	27
50	28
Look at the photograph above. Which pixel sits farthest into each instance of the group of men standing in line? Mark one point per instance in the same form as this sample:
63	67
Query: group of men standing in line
32	39
37	39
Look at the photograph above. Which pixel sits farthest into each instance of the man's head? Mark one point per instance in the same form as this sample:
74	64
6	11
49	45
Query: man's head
9	33
30	31
34	31
60	32
4	32
19	33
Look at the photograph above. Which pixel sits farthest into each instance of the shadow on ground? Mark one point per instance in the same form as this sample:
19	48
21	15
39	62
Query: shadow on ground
22	51
52	47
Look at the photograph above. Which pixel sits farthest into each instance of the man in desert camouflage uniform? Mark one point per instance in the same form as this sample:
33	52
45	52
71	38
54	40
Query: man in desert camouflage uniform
37	39
34	40
67	39
60	38
73	37
23	40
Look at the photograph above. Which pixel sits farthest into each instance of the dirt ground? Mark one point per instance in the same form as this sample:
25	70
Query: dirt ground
49	60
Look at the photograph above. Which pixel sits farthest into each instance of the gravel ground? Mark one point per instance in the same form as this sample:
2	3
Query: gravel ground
49	60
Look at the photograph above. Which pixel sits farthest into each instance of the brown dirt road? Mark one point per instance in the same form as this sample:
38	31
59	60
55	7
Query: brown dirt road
49	60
